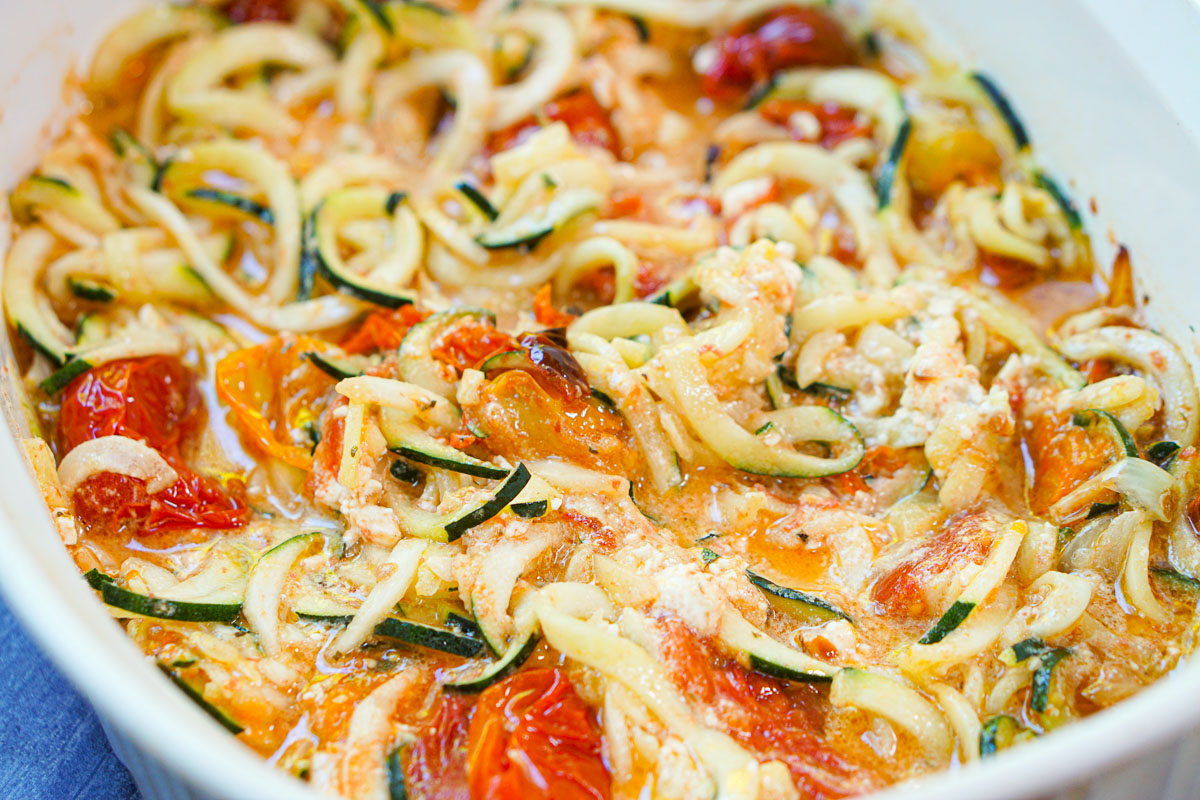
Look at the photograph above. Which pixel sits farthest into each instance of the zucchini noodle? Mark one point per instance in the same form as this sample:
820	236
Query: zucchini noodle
687	398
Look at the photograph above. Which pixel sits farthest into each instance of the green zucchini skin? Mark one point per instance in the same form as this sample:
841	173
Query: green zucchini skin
1070	211
405	472
91	291
158	607
477	469
1176	579
334	367
397	789
768	667
997	734
812	601
244	205
516	655
1163	453
1009	114
532	510
891	166
1120	435
428	636
505	493
478	199
195	696
56	381
1039	694
954	616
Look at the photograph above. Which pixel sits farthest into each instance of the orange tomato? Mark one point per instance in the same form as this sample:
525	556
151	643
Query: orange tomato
545	312
383	330
532	737
276	395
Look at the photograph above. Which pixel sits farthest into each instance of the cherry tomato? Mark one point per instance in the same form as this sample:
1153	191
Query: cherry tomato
276	395
838	123
771	718
532	737
788	37
964	539
468	344
1063	456
258	10
435	765
383	330
545	312
143	398
150	399
580	111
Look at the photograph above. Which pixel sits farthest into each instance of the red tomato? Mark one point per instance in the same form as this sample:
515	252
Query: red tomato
383	330
1063	456
143	398
965	538
532	737
771	718
838	123
584	117
150	399
258	10
545	312
435	766
788	37
467	345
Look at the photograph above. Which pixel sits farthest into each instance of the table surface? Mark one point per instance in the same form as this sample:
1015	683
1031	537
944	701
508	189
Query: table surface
51	744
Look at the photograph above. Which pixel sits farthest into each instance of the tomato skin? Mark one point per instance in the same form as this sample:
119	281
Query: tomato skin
583	115
788	37
435	766
275	394
545	312
150	399
240	11
383	330
773	719
143	398
838	123
467	345
532	737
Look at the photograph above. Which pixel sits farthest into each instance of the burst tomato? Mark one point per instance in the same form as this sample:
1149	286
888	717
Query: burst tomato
545	312
258	11
435	765
838	123
150	399
276	395
466	345
532	737
580	111
770	718
788	37
383	330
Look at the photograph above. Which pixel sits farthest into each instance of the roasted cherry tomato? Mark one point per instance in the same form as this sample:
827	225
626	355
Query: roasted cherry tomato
383	330
1063	456
545	312
150	399
788	37
467	344
435	765
583	115
772	719
276	395
838	123
532	737
258	11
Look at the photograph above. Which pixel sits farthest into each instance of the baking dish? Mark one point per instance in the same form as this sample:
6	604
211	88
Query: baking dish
1104	109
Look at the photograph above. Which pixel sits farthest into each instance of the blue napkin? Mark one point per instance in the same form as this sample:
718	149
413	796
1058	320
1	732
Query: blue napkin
51	744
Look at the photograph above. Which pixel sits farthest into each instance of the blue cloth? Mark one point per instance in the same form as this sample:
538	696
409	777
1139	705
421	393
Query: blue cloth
51	744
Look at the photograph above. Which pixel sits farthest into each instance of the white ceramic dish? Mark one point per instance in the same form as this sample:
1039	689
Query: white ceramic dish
1108	90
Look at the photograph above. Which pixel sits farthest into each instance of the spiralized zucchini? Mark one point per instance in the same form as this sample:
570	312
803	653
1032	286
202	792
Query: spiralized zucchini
383	360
